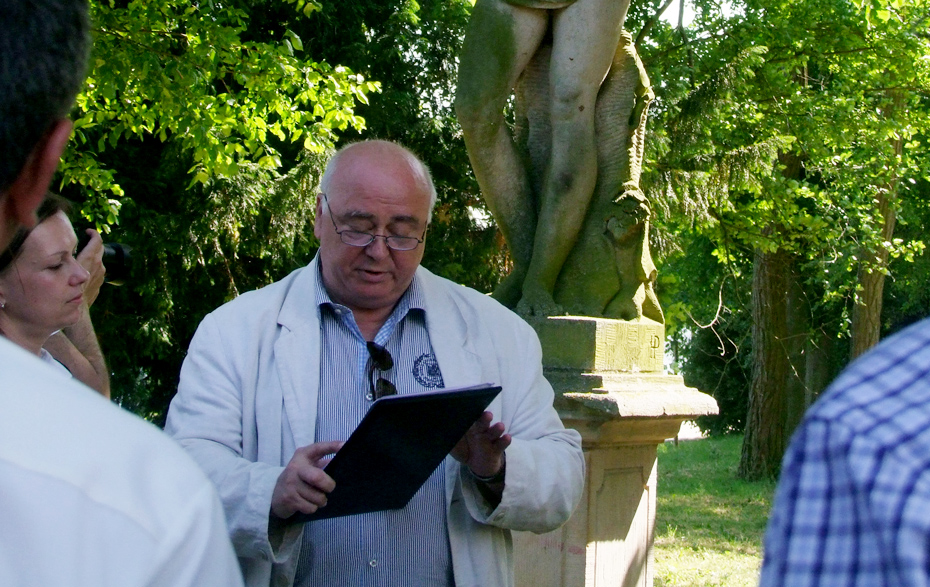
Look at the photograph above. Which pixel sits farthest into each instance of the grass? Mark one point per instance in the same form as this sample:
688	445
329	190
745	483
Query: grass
709	524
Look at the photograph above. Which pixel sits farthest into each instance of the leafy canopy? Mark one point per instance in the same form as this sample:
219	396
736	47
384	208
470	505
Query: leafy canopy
194	75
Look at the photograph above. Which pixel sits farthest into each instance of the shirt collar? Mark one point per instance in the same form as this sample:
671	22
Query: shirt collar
412	299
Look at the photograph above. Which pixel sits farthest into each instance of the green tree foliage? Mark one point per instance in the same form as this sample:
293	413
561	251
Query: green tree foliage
907	294
198	142
201	138
196	76
715	353
792	129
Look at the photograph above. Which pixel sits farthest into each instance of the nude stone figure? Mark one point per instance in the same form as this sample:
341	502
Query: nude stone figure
541	227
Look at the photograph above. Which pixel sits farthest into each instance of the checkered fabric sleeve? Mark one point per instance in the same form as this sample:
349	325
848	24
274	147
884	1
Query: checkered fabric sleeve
853	504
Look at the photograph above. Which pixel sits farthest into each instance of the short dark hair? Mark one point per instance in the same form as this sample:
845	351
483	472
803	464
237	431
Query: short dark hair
44	46
52	204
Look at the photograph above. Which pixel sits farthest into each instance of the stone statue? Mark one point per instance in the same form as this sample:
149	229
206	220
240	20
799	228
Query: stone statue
564	189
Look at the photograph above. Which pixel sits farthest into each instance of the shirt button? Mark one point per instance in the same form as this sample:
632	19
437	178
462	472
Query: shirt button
373	563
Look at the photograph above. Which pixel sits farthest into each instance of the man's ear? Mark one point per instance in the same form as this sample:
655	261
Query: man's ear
30	186
317	223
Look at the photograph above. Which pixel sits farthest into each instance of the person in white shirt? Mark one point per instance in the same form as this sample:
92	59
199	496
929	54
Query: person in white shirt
277	378
90	495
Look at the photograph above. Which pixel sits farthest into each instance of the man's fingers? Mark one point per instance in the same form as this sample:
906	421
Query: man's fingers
310	499
303	485
494	432
485	434
299	498
314	477
483	421
503	442
460	451
318	450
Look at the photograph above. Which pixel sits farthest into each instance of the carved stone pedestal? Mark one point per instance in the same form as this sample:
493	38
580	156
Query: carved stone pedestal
609	386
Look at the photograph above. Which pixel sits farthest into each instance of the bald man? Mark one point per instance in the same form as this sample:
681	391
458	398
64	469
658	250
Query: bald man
275	380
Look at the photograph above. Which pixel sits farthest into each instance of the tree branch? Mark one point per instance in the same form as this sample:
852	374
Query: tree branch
647	26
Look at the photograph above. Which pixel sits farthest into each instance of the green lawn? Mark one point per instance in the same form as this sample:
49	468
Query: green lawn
709	524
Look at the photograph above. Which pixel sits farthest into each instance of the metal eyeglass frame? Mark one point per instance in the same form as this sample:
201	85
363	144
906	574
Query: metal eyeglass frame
390	240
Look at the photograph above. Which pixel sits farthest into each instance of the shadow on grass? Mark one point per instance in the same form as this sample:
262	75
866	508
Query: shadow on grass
709	524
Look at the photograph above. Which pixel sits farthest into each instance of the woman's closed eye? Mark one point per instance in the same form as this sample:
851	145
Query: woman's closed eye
61	262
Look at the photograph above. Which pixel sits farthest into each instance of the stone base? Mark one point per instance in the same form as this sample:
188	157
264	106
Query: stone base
601	344
608	540
622	414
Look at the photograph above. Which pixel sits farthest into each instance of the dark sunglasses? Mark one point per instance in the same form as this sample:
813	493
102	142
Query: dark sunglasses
379	360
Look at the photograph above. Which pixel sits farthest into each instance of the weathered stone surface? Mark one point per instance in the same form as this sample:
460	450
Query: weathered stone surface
623	414
598	344
608	540
564	188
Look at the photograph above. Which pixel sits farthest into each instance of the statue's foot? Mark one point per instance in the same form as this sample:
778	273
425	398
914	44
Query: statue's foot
630	193
538	303
631	213
509	290
633	206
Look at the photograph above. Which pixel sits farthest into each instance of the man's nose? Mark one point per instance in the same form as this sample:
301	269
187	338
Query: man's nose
378	249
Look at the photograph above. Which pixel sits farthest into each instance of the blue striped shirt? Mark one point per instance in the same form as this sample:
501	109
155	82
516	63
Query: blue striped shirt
409	546
853	504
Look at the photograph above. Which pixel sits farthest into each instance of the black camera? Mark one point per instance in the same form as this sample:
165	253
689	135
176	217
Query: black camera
116	258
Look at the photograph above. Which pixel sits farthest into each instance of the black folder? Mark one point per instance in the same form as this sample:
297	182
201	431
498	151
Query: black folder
396	447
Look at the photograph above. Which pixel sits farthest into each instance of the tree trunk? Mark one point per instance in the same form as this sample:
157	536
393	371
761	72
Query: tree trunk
867	307
822	347
797	330
764	441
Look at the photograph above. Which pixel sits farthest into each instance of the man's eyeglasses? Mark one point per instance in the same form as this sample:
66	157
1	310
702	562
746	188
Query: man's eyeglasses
379	360
357	238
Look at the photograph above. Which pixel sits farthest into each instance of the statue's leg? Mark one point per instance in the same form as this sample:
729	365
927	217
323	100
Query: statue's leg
585	38
500	41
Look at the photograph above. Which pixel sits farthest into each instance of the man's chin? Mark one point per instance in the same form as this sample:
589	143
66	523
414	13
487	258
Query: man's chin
375	295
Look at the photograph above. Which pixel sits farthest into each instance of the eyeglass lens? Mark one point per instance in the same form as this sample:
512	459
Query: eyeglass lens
356	238
363	239
380	360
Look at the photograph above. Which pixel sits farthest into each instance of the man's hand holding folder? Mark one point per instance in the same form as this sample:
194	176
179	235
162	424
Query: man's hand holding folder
398	444
482	450
303	485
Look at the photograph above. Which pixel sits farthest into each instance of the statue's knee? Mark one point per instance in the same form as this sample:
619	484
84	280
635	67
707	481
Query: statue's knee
475	113
572	104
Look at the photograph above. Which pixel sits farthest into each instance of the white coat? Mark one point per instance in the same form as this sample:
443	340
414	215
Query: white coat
248	398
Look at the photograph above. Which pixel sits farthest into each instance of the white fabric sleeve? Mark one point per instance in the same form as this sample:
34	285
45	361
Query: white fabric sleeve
206	418
544	479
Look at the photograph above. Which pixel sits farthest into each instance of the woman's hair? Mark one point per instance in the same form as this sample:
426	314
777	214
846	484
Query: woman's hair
52	204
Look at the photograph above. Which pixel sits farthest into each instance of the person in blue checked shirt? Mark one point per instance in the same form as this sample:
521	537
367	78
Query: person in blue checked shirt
853	503
275	380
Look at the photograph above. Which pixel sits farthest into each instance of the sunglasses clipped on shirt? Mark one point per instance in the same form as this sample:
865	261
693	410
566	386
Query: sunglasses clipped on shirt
379	360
